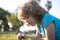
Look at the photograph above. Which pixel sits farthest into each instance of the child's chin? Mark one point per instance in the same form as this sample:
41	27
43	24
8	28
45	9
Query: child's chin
31	25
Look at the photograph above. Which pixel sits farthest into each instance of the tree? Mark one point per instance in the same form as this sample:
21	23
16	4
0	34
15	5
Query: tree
3	14
15	22
48	5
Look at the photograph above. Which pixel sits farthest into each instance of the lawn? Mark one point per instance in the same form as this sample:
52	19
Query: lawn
9	36
6	36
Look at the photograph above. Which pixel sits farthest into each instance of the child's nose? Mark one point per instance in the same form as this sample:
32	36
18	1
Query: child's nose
27	21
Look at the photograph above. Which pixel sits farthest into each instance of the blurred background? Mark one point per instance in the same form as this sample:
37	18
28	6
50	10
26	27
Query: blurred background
9	23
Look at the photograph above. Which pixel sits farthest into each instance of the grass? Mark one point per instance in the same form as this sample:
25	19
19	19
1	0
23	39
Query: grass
9	36
6	36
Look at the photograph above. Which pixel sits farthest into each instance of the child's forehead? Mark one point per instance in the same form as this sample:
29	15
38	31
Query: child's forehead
19	11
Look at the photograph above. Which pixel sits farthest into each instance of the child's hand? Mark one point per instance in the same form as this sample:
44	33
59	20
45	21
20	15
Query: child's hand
21	34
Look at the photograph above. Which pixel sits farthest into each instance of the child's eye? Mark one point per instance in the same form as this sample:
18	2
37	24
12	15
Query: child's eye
26	16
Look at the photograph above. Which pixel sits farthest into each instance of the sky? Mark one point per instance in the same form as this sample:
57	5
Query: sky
12	5
9	5
55	10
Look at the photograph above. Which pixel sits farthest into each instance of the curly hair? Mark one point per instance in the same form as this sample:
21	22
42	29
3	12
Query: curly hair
34	9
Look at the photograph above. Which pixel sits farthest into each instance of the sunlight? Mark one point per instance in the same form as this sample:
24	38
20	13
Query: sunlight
27	28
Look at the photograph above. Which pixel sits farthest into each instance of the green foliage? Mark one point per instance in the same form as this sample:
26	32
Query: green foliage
13	19
6	17
3	14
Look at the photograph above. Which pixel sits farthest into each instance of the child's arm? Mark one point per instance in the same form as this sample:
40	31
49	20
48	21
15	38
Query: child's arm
50	32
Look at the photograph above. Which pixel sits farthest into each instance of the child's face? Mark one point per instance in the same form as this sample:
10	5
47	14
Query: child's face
28	19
